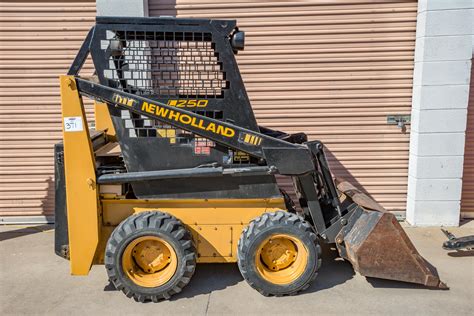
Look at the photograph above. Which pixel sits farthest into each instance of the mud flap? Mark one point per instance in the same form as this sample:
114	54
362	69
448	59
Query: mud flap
377	246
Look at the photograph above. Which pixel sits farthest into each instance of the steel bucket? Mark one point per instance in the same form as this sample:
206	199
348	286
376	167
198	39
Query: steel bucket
377	246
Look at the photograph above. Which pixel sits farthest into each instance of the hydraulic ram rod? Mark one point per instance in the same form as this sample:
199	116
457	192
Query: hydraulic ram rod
221	132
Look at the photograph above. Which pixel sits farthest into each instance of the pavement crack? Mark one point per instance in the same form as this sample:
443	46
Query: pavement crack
207	305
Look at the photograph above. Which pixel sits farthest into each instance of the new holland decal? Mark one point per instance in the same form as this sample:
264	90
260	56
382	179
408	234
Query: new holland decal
187	119
176	116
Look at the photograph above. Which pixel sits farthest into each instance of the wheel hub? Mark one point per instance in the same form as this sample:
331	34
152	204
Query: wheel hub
278	253
281	259
151	255
149	261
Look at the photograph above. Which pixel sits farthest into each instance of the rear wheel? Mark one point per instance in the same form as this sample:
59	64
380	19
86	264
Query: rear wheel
279	254
150	256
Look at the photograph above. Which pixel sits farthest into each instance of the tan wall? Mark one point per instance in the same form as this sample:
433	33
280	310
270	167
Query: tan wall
332	69
38	41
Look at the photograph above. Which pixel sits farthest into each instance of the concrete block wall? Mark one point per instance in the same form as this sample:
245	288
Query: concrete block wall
443	53
137	8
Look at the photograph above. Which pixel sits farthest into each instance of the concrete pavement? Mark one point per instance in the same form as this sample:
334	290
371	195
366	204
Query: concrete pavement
33	280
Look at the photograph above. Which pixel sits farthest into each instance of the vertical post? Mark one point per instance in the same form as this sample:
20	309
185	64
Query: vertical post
443	54
81	191
137	8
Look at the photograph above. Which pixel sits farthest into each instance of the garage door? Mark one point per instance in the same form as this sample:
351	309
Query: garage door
467	199
332	69
38	40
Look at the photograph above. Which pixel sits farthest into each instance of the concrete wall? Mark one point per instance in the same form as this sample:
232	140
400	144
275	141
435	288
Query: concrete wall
439	111
122	7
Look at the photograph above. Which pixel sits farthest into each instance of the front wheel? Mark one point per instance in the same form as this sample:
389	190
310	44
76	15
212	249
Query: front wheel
279	254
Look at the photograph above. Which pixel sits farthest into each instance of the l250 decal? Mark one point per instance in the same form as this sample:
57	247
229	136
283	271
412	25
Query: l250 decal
188	103
176	116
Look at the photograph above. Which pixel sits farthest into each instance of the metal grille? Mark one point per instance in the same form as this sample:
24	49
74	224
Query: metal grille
164	64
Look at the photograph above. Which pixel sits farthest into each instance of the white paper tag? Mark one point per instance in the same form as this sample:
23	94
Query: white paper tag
73	124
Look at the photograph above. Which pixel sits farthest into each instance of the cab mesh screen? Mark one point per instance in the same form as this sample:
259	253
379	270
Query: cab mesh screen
164	64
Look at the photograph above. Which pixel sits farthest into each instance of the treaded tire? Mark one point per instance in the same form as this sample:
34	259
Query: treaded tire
263	227
158	224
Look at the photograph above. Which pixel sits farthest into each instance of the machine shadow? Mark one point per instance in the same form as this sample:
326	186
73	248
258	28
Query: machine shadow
48	201
392	284
210	277
334	271
24	231
340	171
213	277
461	253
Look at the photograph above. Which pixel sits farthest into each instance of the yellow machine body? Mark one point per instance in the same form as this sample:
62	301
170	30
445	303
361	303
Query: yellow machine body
94	210
216	225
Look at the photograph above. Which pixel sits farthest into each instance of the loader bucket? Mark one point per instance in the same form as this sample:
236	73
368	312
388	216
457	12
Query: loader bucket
377	246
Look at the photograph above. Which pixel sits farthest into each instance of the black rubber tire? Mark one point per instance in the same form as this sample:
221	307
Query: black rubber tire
150	223
269	224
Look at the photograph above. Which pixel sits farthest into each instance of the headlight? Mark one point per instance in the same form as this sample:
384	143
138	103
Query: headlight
237	40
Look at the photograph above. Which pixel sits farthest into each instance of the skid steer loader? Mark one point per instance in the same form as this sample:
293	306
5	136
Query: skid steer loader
177	172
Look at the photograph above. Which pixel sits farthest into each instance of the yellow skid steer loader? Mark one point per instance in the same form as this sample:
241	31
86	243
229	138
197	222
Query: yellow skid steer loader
177	172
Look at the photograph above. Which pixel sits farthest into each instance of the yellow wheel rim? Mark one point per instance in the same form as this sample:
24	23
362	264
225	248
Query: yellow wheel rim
281	259
149	261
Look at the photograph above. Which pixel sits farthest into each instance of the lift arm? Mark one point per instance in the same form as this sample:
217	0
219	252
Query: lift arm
288	158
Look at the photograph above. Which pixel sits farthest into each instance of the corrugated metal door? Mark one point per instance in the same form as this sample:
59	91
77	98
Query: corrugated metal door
467	199
332	69
38	40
